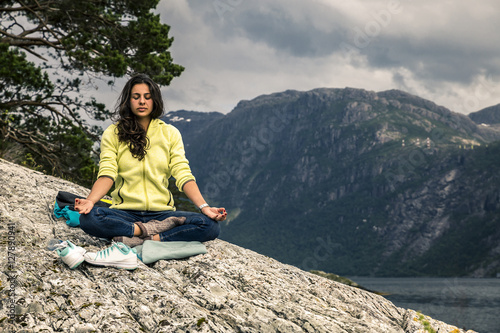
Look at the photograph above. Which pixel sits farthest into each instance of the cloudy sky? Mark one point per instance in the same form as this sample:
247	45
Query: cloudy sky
446	51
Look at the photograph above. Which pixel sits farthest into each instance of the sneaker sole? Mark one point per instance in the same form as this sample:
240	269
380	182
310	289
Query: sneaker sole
130	267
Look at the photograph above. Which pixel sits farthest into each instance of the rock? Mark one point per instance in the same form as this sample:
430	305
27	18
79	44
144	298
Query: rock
229	289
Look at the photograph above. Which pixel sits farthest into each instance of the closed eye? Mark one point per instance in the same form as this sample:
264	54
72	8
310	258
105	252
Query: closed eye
137	96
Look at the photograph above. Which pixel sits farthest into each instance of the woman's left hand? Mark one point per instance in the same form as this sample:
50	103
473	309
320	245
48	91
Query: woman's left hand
217	214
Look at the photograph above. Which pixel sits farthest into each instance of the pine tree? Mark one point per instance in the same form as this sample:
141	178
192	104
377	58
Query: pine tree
50	50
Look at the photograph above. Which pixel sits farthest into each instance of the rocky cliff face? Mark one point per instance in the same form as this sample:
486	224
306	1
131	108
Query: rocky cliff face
354	182
229	289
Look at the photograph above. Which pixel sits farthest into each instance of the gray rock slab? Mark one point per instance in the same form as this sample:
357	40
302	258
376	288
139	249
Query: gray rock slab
229	289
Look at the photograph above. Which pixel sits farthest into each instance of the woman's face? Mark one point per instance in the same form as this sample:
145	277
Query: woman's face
141	102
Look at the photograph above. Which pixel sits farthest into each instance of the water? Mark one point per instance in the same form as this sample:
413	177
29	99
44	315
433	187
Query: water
463	302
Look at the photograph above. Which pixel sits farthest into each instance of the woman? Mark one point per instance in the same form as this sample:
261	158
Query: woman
139	153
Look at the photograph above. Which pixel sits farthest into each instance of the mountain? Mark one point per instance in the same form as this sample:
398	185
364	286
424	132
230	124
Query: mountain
192	121
353	182
488	116
228	289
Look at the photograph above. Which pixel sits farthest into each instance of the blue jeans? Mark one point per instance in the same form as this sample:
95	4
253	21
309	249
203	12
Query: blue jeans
105	222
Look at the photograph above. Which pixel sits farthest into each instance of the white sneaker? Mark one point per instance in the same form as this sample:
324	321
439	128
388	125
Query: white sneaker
70	254
118	255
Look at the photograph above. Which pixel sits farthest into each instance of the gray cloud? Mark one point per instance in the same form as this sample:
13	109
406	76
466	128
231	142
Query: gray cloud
439	51
449	46
432	59
303	31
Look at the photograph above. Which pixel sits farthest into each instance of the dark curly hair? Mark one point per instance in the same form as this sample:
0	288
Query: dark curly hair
129	130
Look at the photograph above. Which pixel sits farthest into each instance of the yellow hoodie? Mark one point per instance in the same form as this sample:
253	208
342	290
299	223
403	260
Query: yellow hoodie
143	185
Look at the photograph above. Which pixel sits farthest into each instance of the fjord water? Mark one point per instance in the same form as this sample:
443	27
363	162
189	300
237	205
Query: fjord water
464	302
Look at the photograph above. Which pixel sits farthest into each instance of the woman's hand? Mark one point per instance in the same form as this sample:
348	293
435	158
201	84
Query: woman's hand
192	191
217	214
99	189
83	206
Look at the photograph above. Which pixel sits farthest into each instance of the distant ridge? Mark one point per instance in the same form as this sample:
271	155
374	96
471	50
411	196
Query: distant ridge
489	115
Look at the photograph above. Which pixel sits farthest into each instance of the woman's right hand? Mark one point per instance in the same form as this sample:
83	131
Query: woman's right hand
83	206
101	186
